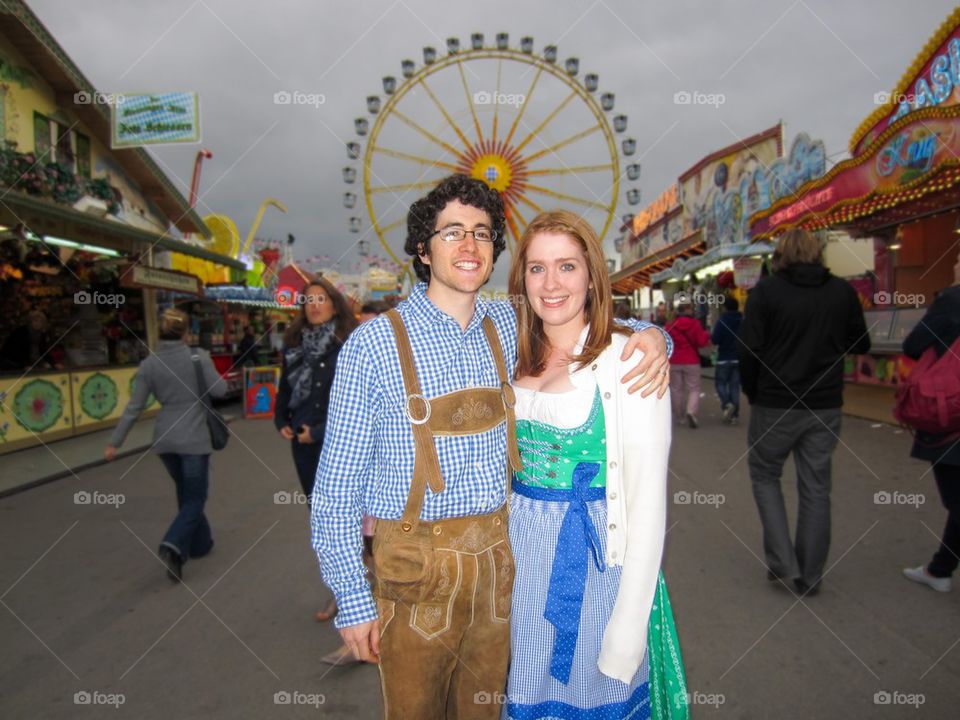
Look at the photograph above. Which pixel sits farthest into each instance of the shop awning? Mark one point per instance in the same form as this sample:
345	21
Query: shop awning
911	170
638	275
712	256
45	217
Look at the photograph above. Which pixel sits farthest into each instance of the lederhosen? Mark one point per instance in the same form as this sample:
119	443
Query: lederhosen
443	588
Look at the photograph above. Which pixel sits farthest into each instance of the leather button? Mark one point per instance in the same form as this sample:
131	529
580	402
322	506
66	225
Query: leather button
437	530
406	527
606	396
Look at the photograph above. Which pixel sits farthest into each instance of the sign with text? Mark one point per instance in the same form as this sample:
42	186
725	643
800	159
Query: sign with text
155	119
935	82
905	158
140	276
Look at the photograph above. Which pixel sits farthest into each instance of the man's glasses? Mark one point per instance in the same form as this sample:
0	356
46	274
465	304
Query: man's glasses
456	234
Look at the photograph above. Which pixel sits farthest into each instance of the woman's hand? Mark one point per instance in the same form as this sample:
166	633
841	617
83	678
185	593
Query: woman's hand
653	372
109	453
286	432
304	437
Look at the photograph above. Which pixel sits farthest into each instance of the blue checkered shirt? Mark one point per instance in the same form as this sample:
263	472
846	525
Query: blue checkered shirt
367	460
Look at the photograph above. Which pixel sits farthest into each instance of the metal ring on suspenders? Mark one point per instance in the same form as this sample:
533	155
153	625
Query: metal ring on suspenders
410	417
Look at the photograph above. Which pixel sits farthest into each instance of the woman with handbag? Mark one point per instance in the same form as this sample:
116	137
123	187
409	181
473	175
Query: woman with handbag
311	346
939	329
592	631
182	381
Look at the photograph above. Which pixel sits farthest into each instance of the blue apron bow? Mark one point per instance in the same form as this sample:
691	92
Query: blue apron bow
568	577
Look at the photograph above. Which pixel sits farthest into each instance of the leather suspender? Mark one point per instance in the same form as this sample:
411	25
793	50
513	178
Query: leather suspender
426	466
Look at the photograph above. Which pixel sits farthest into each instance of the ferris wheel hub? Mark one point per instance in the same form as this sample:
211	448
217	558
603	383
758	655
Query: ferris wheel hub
495	170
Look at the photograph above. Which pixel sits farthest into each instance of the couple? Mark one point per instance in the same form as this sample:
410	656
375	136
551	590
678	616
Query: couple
426	433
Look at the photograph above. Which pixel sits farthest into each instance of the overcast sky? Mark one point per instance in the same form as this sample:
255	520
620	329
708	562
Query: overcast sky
815	64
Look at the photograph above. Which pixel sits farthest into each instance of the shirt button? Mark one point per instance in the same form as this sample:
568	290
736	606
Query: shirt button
612	526
593	367
613	554
612	496
606	396
613	464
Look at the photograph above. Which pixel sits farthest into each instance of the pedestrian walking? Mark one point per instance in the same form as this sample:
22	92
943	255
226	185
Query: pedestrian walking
727	370
688	337
798	325
937	332
592	630
180	434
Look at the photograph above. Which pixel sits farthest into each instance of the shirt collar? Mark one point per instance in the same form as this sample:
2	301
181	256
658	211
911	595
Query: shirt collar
422	308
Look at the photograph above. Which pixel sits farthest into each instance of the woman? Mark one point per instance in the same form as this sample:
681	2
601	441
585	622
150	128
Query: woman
180	433
588	510
311	346
939	329
688	337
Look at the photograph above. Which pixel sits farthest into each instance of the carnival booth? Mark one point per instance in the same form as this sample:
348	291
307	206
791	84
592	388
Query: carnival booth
900	191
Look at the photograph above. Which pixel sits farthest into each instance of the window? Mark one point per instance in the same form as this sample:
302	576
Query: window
56	142
83	155
41	138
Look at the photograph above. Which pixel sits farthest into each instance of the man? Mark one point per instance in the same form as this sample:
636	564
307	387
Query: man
419	433
727	373
798	324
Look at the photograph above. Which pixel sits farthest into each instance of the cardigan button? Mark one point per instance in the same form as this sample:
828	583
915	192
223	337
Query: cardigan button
606	396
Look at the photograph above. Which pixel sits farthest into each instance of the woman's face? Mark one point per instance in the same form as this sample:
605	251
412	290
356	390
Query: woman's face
318	305
557	279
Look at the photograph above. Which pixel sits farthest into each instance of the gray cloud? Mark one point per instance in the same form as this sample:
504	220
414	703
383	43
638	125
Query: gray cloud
814	64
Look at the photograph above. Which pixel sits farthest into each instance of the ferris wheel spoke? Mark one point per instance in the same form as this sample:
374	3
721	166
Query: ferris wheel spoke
496	105
427	134
515	211
523	107
446	115
403	188
547	120
571	170
392	226
563	143
473	108
529	203
561	196
414	158
514	231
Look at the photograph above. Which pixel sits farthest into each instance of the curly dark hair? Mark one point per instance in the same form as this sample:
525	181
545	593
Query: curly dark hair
422	218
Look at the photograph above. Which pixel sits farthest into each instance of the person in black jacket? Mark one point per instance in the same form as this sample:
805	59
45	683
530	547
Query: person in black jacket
727	373
311	346
798	324
939	329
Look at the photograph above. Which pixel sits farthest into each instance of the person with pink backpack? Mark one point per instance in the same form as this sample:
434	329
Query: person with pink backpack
929	401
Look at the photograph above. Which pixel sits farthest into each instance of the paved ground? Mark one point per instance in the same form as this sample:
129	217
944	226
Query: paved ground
87	609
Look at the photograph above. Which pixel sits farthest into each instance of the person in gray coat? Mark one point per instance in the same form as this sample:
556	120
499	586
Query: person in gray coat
180	434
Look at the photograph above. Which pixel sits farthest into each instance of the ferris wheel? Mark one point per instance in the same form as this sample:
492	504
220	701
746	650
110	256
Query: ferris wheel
531	128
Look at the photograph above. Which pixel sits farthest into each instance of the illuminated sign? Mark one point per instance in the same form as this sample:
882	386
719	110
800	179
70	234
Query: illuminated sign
668	200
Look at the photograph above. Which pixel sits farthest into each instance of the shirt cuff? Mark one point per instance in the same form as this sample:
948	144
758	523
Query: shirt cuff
354	608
